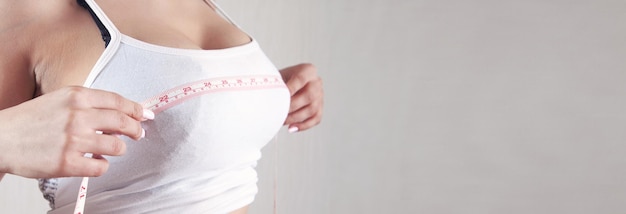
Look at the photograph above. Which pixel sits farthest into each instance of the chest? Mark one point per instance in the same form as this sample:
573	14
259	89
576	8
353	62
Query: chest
73	43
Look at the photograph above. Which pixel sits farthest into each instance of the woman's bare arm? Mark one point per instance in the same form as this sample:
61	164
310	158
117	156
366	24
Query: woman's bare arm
47	136
16	81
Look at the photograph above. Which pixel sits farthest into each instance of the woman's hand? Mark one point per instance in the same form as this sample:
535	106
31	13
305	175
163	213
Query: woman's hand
49	135
307	96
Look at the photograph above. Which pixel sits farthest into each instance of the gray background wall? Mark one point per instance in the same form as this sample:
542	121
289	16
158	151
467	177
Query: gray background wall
447	106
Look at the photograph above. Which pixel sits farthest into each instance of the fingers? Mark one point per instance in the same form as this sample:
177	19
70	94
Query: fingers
78	166
89	167
108	100
307	96
311	94
67	129
99	99
303	118
97	165
103	112
108	112
308	123
114	122
104	145
296	77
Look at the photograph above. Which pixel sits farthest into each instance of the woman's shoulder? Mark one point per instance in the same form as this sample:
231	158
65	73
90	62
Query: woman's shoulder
37	38
24	13
25	24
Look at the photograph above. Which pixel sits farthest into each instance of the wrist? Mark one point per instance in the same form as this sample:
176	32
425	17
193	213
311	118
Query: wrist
4	144
4	163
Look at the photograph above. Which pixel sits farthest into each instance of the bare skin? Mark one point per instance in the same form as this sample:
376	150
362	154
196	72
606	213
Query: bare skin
35	59
49	47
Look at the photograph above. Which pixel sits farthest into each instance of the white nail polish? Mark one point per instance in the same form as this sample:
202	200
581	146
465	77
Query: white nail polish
143	133
147	114
293	129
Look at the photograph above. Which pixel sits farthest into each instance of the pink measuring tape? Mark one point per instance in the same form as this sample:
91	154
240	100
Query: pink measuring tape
179	94
187	91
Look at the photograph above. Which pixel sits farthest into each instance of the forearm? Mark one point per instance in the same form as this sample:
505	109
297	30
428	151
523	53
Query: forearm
6	141
4	167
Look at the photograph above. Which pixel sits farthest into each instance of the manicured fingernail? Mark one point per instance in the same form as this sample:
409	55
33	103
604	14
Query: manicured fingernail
147	114
293	129
143	133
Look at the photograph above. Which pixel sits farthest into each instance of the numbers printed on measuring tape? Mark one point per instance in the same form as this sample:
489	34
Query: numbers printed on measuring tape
178	94
82	197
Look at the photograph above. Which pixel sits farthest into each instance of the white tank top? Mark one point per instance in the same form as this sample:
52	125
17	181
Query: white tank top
215	109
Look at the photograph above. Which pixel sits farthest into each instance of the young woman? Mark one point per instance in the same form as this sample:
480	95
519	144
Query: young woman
218	100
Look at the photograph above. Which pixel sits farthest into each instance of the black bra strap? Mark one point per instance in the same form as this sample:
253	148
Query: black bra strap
106	36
